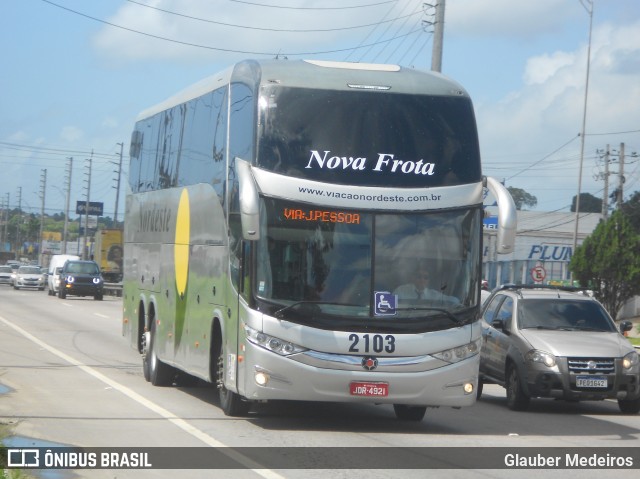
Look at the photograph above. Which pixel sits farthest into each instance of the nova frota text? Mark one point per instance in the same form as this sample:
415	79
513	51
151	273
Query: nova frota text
384	162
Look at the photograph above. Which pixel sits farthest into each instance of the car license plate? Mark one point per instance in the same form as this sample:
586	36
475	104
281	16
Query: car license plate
591	381
369	389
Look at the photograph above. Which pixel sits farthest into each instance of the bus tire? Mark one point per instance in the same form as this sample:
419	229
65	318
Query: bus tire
230	403
479	388
160	374
405	412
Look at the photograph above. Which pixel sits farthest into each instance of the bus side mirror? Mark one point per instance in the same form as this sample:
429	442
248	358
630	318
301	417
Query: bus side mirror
249	201
507	216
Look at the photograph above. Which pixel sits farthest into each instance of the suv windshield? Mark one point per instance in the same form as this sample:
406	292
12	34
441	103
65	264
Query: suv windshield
563	314
354	266
81	268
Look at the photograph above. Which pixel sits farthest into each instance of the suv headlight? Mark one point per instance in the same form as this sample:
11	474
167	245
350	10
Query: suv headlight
630	360
537	356
460	353
271	343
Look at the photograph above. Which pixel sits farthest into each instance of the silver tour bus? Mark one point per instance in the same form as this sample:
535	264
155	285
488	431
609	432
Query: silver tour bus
308	230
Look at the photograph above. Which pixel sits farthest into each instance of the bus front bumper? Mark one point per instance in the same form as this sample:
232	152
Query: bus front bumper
264	375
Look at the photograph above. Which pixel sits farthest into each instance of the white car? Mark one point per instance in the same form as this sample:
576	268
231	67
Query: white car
29	277
5	274
55	266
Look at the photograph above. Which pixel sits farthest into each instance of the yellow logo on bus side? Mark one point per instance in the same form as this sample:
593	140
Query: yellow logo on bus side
181	254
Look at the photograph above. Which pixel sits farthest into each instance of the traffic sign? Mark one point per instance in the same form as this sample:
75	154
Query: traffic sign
538	274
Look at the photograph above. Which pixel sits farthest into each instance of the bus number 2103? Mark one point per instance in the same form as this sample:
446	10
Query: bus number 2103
375	343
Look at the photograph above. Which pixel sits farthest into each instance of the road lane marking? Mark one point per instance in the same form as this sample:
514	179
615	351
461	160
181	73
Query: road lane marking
166	414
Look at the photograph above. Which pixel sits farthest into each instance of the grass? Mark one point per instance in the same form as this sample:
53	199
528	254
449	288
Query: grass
4	472
634	341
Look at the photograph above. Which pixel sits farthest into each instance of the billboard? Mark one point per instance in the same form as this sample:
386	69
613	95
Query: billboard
95	208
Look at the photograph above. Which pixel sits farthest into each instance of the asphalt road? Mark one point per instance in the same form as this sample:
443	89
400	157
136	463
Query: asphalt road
68	378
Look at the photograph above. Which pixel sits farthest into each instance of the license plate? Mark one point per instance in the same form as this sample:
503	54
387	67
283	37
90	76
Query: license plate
591	382
369	389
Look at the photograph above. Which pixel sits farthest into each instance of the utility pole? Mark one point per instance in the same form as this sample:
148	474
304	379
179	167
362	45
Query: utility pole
621	177
584	123
6	220
43	189
86	210
119	172
438	35
605	195
66	211
19	222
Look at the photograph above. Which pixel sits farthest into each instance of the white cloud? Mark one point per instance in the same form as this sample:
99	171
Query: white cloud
547	112
71	134
540	69
518	19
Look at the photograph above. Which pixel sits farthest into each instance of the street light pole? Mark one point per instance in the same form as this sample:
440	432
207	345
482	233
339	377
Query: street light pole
584	122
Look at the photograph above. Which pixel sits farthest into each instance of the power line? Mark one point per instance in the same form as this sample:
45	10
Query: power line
283	30
312	8
544	158
207	47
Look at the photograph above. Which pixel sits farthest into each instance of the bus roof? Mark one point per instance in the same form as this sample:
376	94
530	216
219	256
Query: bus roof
318	74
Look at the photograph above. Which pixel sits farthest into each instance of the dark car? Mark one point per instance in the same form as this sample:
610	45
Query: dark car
81	278
551	342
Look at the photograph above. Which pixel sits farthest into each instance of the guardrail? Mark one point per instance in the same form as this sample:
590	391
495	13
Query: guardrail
113	289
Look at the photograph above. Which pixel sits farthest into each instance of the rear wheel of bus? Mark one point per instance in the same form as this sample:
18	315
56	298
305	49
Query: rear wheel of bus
155	371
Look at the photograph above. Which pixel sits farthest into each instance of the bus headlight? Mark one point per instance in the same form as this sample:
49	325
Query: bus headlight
459	353
271	343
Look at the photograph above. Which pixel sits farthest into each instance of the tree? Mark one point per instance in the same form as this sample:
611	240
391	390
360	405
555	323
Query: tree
631	208
608	262
522	198
588	203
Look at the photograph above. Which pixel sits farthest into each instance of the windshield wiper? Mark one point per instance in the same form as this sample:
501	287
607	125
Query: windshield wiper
447	313
315	304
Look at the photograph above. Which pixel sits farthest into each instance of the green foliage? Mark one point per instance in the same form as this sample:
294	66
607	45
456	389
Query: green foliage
522	198
608	262
588	203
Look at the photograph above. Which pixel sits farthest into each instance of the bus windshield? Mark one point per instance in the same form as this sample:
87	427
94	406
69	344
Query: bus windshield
347	267
368	138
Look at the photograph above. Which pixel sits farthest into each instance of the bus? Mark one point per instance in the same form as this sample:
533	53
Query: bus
276	213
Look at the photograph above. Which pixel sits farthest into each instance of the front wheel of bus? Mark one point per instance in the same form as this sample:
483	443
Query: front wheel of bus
230	402
405	412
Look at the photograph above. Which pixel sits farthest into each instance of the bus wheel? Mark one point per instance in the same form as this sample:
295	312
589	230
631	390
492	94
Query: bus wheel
231	403
405	412
160	374
146	340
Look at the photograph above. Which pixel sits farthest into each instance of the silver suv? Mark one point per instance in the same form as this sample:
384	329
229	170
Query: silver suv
545	341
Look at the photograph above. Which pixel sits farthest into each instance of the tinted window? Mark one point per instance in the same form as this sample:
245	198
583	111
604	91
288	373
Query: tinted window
367	138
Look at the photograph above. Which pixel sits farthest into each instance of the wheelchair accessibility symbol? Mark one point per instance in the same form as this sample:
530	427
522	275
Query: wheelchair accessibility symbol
385	303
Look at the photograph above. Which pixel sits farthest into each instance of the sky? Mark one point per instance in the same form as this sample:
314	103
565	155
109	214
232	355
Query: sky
76	73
